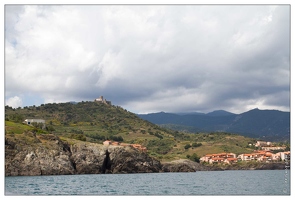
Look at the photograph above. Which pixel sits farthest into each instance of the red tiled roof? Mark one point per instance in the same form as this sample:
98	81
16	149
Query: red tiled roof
231	159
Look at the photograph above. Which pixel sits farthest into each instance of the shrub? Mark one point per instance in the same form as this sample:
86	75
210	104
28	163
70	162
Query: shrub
187	146
98	137
196	144
116	138
158	135
50	128
194	157
78	137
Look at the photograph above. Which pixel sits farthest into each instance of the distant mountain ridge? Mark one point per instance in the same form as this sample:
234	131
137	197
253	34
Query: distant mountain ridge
213	113
270	125
219	113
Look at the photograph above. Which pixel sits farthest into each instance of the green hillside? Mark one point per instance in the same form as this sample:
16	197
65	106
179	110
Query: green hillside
96	122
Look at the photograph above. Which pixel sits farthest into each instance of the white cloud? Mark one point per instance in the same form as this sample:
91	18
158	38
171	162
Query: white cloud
170	58
14	102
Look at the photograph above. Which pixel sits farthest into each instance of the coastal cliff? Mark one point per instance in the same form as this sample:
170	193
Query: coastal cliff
29	154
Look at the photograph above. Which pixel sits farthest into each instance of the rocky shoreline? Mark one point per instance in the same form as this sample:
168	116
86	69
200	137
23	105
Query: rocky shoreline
29	154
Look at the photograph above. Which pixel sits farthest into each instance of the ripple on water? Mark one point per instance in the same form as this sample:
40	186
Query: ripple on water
265	182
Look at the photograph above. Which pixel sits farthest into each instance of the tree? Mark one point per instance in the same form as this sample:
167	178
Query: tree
187	146
50	128
38	125
194	157
16	118
116	138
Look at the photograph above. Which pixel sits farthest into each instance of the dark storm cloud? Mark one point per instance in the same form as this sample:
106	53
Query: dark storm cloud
151	58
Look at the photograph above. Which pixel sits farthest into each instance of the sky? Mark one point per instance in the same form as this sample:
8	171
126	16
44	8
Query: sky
149	58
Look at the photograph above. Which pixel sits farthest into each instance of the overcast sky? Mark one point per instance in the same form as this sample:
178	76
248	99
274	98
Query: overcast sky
149	58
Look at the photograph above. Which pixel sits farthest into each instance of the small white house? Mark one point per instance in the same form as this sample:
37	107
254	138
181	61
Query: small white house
30	121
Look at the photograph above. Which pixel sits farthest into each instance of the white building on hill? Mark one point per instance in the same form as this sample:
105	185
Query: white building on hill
102	100
30	121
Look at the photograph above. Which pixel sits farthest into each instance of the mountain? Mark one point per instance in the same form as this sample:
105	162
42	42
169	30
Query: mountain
270	125
190	113
219	113
214	113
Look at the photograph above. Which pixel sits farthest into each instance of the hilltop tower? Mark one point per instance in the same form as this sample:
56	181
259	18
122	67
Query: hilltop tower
102	100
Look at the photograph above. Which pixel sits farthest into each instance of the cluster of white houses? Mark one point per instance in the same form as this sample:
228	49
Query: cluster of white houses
262	155
219	158
259	155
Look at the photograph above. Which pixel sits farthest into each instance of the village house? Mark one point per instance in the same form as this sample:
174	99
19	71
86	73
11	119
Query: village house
107	142
216	160
263	144
256	156
285	156
115	143
245	157
219	158
140	147
276	157
136	146
230	160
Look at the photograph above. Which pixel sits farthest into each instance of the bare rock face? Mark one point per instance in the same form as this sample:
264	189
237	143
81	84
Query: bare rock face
29	154
88	158
130	160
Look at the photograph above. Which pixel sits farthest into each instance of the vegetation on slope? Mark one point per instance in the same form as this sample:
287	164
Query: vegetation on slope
96	122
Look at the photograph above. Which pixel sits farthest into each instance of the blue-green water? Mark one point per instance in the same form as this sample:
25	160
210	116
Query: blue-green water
239	182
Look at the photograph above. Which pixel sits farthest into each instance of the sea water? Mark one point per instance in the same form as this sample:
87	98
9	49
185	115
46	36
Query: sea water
235	182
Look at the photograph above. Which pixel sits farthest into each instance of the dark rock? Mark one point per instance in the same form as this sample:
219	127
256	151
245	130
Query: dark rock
31	154
130	160
270	166
184	165
88	158
254	166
